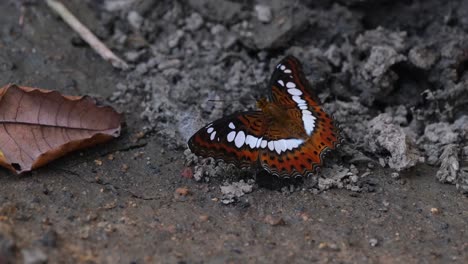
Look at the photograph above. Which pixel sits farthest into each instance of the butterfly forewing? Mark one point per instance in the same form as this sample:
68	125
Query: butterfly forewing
288	84
235	139
290	89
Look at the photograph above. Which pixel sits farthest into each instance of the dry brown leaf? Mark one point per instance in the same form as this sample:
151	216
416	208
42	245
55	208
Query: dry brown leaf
38	126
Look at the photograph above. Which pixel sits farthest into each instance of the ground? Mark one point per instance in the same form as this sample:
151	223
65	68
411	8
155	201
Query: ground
391	72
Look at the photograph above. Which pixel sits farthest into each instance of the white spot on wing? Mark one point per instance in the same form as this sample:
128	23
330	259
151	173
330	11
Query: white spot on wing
281	82
263	144
209	130
282	67
287	71
240	139
231	136
232	126
251	141
271	146
259	141
279	146
309	123
290	85
298	99
282	143
213	135
294	91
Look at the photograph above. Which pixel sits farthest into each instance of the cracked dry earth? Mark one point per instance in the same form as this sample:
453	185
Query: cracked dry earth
134	200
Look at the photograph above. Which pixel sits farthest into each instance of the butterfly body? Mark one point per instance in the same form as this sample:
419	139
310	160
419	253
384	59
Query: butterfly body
287	136
280	120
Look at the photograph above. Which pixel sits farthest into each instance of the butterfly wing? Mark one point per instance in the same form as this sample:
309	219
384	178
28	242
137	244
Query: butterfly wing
291	90
250	137
301	158
235	139
288	74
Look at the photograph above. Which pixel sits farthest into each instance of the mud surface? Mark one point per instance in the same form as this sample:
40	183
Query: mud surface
393	73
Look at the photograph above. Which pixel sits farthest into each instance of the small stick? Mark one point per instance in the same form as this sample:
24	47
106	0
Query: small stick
86	34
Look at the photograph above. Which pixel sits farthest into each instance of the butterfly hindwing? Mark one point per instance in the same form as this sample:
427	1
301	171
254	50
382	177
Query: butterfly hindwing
303	159
235	139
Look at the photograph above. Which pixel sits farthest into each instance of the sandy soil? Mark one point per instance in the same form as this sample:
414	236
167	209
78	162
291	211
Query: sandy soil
378	200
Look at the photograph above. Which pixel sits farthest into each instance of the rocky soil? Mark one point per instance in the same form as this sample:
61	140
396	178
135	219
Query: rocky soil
393	74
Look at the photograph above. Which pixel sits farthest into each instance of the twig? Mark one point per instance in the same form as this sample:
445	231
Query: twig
86	34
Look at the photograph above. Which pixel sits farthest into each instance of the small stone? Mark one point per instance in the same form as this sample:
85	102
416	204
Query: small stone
110	157
353	169
373	242
263	13
98	162
274	220
110	205
328	246
135	19
194	22
435	210
187	173
204	218
175	39
182	191
395	175
304	216
139	135
174	63
124	168
422	58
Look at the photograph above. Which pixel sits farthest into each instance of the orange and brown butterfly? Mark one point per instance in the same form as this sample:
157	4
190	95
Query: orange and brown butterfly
287	136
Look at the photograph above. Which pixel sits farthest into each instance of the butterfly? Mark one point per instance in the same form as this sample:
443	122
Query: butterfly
287	136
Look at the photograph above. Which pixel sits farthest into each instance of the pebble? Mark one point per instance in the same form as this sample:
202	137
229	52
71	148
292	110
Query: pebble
204	218
373	242
135	19
264	14
174	63
182	191
194	22
274	220
422	58
328	246
175	39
